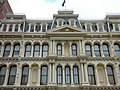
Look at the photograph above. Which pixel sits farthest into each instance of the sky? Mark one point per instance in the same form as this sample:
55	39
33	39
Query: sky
44	9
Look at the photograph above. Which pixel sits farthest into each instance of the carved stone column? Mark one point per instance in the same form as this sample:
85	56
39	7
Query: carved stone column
93	54
80	47
101	50
11	50
18	75
29	77
40	49
63	75
97	77
39	76
2	50
72	76
32	49
6	76
70	44
108	84
63	53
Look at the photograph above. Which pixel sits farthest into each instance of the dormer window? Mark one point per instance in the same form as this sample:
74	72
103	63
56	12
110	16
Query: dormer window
94	27
10	28
44	28
16	27
72	22
32	28
60	22
4	27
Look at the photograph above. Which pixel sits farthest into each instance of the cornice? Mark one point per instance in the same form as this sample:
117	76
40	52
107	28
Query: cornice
47	87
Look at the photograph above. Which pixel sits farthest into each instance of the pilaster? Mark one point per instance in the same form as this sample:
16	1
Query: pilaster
83	47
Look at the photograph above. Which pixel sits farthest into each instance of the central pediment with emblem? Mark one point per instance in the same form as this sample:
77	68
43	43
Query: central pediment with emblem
66	29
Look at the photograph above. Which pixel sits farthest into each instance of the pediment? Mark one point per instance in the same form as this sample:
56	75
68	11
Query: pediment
66	29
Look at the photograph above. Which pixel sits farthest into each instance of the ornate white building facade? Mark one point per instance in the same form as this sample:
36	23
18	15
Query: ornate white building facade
63	53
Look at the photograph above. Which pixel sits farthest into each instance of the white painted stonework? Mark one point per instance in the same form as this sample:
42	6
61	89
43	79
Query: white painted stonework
66	30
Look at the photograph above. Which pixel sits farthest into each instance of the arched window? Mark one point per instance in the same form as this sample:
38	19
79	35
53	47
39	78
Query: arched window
12	75
74	49
7	50
4	27
91	75
28	50
117	50
60	23
25	74
45	50
10	27
16	50
75	75
59	49
2	74
59	74
67	75
44	75
36	50
16	28
106	50
72	22
88	50
32	28
110	73
97	50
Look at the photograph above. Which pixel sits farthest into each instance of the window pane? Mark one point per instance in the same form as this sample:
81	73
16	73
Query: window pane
105	50
36	50
12	75
28	50
75	75
7	50
91	75
97	50
16	50
59	49
88	49
2	74
59	75
45	50
110	74
117	49
44	75
25	74
67	75
74	49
